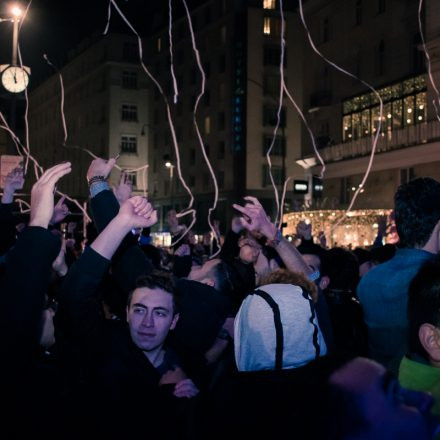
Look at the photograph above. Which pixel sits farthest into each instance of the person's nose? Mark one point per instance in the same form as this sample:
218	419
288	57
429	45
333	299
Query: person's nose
148	320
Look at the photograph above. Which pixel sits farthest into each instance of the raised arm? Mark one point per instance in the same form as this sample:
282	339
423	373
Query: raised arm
28	269
254	218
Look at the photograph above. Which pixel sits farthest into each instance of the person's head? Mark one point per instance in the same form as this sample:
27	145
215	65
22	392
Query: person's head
417	212
276	326
364	401
342	269
208	273
424	312
365	260
152	310
314	256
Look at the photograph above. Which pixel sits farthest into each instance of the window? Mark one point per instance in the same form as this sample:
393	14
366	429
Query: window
180	56
205	180
325	30
221	121
272	26
277	174
278	146
129	113
129	80
379	66
223	34
381	6
130	51
269	4
221	91
271	85
404	104
272	56
222	64
418	57
221	179
132	178
270	116
192	156
159	44
358	15
221	150
207	125
128	143
192	181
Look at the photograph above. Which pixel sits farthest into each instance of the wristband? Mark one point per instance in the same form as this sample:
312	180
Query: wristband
96	179
275	241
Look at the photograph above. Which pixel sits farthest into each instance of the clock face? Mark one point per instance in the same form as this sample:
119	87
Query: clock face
15	79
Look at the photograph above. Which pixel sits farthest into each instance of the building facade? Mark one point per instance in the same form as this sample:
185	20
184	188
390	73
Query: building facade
379	42
106	110
239	45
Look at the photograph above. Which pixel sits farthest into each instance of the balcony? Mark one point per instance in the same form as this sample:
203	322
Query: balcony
393	140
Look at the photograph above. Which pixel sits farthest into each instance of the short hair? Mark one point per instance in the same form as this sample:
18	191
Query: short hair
158	279
424	303
417	211
285	276
342	268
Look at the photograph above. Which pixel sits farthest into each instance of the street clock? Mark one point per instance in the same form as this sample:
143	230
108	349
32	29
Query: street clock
15	79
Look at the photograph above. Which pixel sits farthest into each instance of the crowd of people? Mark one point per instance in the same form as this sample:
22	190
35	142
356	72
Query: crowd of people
252	337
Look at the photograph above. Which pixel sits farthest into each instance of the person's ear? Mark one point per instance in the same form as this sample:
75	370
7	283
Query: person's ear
324	282
174	321
429	337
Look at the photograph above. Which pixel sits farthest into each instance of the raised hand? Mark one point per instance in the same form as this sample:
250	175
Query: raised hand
254	218
60	212
13	181
42	204
123	191
137	212
100	167
304	230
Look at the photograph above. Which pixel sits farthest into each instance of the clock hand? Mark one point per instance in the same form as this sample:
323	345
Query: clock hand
15	78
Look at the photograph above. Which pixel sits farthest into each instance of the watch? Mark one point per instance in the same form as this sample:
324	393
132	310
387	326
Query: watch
15	79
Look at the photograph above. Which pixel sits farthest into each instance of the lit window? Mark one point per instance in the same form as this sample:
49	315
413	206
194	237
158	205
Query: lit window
207	125
128	143
159	44
269	4
266	26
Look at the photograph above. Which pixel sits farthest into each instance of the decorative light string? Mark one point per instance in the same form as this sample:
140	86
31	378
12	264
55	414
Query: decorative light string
170	35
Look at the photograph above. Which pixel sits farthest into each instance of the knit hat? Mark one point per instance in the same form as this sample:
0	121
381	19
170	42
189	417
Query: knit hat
276	328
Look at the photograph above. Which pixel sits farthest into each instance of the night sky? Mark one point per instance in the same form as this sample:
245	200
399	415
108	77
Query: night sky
55	26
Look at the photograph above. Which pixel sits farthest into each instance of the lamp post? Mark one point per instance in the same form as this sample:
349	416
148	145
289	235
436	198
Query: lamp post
170	166
16	12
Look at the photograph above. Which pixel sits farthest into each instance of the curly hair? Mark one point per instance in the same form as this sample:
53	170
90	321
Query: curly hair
284	276
417	209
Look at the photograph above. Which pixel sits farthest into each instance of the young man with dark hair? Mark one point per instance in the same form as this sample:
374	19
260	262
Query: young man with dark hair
383	291
420	368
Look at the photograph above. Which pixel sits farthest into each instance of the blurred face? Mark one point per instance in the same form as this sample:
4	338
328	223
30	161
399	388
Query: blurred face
313	261
150	317
202	273
390	411
249	249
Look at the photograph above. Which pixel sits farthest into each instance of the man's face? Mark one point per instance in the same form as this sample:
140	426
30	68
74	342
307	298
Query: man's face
202	273
150	317
390	411
313	261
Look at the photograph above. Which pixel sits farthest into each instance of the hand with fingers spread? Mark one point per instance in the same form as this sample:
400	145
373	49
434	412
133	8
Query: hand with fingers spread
60	212
123	191
254	218
42	203
185	388
13	181
100	168
137	212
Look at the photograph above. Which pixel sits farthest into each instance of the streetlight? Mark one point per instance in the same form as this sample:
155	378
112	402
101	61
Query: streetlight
170	166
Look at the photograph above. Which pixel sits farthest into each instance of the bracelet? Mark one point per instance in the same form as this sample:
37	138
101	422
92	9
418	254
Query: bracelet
96	179
275	241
